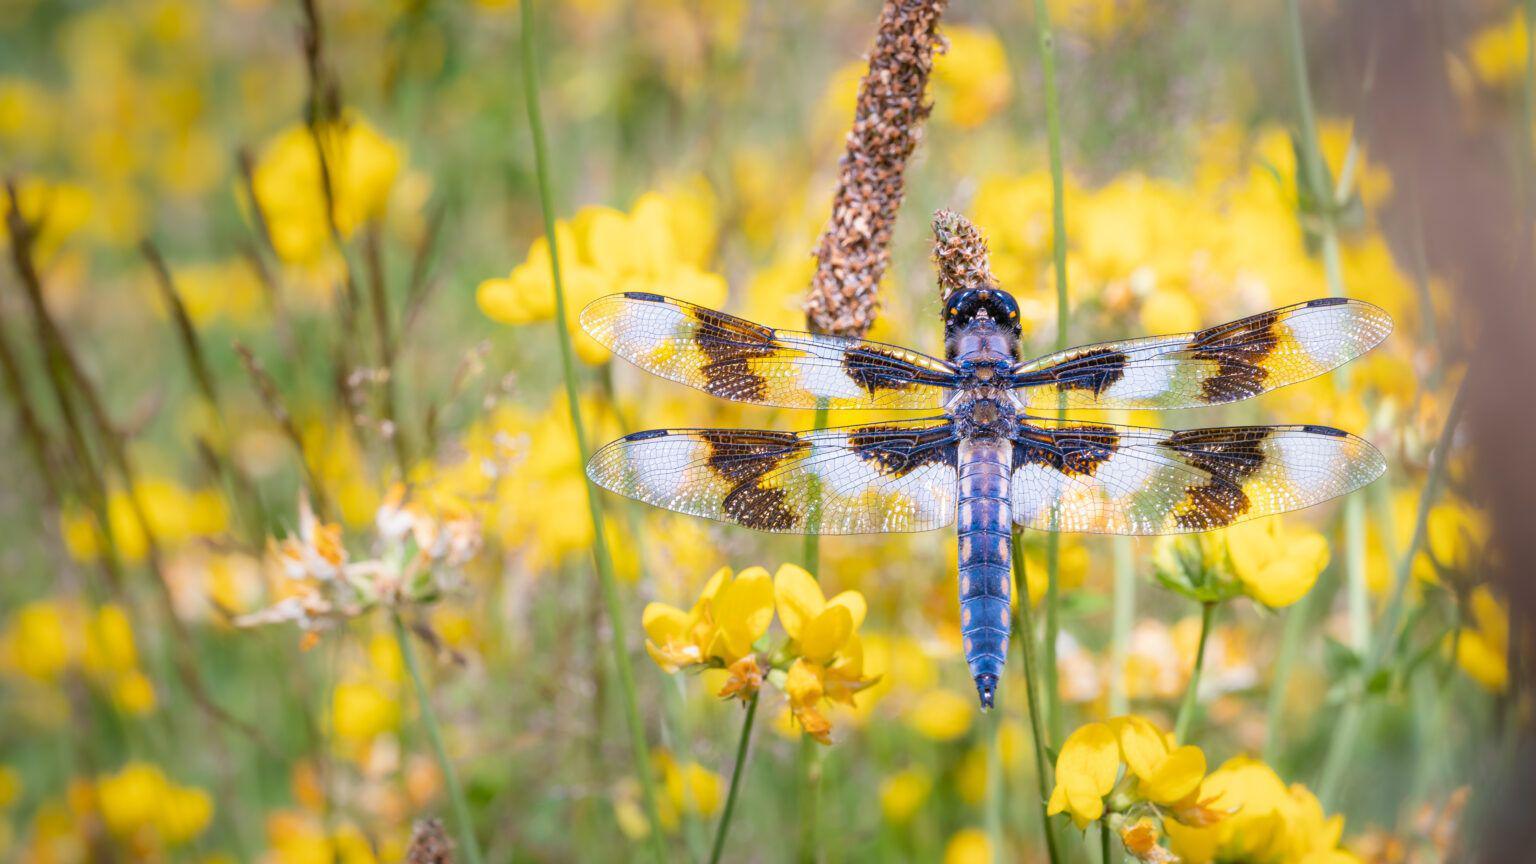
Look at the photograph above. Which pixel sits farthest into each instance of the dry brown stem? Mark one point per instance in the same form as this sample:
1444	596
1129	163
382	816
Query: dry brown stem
887	124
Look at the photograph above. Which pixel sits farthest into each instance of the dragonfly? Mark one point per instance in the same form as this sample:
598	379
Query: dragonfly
980	459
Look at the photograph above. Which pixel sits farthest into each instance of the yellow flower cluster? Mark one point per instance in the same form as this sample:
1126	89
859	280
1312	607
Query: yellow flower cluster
1157	771
662	245
175	513
145	812
971	79
363	166
1266	821
1264	559
45	640
1498	53
687	788
822	658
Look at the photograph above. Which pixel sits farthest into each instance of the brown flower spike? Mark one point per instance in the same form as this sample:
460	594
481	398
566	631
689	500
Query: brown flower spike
887	125
960	251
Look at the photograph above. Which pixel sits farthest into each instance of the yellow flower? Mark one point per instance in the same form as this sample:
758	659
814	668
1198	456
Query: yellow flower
805	689
903	792
661	246
1482	650
820	627
690	787
1165	774
184	814
1499	53
57	211
1086	770
1264	820
969	846
361	711
10	786
1140	840
1277	567
730	615
37	642
942	715
287	181
971	79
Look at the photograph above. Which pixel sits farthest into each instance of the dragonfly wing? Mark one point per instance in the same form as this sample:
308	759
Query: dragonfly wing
1106	479
736	359
1219	364
886	477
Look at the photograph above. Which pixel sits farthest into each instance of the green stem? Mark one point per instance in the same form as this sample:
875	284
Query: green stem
1341	746
1192	693
1104	840
434	733
736	772
810	750
992	724
600	553
1290	643
1047	43
1123	618
1025	628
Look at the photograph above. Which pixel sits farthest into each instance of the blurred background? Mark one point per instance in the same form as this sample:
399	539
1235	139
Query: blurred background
235	370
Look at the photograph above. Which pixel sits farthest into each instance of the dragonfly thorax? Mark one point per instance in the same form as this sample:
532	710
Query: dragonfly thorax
986	416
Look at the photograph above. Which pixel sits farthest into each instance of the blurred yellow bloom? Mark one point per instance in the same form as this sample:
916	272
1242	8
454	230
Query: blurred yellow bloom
690	788
57	211
971	79
969	846
1499	53
217	290
1097	19
140	798
10	786
1277	567
902	793
287	181
175	513
1482	650
1170	310
37	643
294	837
361	711
942	715
661	246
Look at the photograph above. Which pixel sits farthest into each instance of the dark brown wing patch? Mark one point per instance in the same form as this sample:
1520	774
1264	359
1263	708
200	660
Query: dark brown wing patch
897	451
1076	451
1094	370
1239	349
1230	456
730	344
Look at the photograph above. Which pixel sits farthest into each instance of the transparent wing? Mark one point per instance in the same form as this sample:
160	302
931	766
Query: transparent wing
852	480
1105	479
736	359
1224	363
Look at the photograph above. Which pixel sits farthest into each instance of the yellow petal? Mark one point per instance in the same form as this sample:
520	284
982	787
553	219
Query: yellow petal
803	683
826	633
1283	582
799	598
663	623
1141	744
1084	807
1088	763
1177	776
712	587
855	603
743	610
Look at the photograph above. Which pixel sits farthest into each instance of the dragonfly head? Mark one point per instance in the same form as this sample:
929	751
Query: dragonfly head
973	305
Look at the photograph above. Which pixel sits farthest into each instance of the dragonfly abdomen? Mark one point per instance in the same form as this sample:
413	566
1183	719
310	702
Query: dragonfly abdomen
985	533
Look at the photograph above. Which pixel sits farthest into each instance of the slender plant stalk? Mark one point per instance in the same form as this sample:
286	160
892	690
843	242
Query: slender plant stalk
1296	619
1047	41
1104	841
1024	626
1192	693
1341	747
743	744
1122	619
471	847
600	553
992	724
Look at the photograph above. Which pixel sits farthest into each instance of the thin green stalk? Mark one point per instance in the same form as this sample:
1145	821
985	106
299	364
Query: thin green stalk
1047	43
1122	619
600	553
1025	628
1290	642
1104	841
737	770
1341	747
470	847
1192	693
992	724
810	750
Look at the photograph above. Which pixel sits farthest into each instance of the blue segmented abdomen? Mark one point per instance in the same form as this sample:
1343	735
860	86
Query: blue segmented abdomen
985	528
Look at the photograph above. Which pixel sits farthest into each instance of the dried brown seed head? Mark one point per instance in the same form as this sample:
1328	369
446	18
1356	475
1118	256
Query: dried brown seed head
960	251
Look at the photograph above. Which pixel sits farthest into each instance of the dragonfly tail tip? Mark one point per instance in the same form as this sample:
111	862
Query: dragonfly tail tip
986	688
